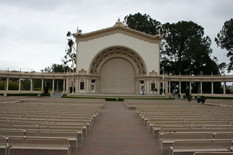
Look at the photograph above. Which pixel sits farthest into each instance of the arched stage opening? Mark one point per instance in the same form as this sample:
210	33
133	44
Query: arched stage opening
117	68
117	76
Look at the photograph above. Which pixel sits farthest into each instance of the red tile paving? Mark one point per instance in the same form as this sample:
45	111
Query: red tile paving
118	131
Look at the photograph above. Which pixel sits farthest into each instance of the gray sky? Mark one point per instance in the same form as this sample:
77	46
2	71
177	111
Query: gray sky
33	32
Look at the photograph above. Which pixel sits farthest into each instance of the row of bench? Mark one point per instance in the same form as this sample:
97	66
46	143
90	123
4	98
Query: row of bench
48	126
23	145
74	137
187	127
167	139
205	145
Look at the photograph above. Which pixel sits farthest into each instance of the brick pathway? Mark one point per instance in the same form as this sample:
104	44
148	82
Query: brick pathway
118	132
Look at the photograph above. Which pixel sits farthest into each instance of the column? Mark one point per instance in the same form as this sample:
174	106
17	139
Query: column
73	85
200	87
57	86
166	87
87	89
76	84
169	87
7	84
19	84
158	87
163	87
147	87
190	87
224	87
67	85
53	86
212	87
42	85
179	87
64	85
31	85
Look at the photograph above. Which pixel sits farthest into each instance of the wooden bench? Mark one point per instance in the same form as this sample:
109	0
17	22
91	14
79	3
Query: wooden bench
72	136
80	123
19	126
156	126
213	153
6	132
166	139
3	145
205	123
25	145
82	128
225	135
176	128
218	128
13	121
191	146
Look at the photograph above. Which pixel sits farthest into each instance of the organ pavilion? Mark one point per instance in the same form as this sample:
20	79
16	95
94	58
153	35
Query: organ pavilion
117	60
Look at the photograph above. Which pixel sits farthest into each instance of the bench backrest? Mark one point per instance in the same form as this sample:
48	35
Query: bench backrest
180	128
218	128
19	126
213	153
201	144
64	127
39	142
162	123
224	135
204	123
3	142
186	135
11	132
3	145
52	133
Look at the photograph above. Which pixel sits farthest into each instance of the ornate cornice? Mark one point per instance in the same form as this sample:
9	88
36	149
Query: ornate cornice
153	73
118	28
117	51
82	72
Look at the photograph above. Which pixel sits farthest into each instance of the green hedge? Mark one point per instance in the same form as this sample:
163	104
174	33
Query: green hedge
114	99
210	97
22	94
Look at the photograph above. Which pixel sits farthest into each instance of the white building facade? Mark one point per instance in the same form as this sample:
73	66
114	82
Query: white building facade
117	60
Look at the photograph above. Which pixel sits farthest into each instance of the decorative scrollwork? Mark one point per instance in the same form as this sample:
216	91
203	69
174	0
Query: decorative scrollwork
118	51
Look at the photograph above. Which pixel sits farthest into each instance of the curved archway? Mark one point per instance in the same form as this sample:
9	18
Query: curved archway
108	53
117	68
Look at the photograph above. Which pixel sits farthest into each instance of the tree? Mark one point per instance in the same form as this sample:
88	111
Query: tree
143	23
57	68
70	57
185	49
224	39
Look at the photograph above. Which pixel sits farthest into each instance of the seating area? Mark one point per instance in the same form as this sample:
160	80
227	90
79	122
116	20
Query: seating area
183	127
65	127
57	126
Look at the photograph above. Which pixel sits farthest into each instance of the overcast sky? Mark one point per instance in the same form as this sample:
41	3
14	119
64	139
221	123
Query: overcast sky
33	32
